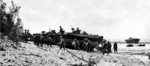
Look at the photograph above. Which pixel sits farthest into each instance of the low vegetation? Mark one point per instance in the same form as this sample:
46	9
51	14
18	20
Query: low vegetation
10	22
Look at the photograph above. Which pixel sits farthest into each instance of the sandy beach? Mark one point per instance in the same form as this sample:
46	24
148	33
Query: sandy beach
27	54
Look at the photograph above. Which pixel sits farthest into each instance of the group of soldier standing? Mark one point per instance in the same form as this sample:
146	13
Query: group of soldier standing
104	46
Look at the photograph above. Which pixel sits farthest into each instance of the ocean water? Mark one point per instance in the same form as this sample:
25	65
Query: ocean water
135	47
135	50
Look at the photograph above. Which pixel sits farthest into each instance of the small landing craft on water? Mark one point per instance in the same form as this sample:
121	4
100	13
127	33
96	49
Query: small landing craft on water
132	40
142	45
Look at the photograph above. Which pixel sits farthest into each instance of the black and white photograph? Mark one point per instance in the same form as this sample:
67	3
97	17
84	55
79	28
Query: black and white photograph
74	32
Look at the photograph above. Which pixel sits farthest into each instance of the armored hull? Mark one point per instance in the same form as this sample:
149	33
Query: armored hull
81	37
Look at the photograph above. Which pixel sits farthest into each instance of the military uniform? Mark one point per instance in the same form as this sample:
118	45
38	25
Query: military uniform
62	43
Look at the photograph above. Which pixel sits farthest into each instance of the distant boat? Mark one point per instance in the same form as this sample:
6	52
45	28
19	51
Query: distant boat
132	40
129	45
141	45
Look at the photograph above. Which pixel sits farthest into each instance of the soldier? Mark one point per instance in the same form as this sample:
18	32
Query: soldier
43	33
105	48
25	36
36	39
85	43
62	43
78	45
74	43
47	40
25	31
61	30
78	30
88	46
42	40
115	47
109	47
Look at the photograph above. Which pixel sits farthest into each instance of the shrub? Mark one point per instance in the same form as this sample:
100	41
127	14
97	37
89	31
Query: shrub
10	22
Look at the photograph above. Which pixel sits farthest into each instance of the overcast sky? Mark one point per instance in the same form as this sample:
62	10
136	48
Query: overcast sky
114	19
